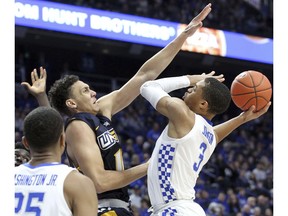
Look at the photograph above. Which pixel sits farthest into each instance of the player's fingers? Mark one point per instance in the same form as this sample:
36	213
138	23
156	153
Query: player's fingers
193	26
265	109
33	75
252	108
221	79
202	15
36	74
41	72
26	85
44	74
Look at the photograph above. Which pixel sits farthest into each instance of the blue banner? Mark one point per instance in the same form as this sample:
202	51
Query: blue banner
116	26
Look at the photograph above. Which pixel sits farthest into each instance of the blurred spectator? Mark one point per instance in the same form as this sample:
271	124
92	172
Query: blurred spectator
246	210
222	200
203	199
259	172
145	205
215	209
136	196
233	204
153	134
22	155
251	202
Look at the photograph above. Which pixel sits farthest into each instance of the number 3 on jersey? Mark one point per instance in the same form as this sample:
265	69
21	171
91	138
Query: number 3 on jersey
203	148
27	203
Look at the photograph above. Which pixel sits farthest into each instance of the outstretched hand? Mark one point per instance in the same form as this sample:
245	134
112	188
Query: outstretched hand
38	82
251	113
196	78
196	22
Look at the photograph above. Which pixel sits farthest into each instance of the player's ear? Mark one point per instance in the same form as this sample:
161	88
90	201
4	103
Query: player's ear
62	140
204	105
71	103
25	143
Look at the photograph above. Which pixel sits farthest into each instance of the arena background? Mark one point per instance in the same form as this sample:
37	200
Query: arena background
97	60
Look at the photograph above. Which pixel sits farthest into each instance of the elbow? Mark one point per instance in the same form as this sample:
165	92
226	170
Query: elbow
101	187
144	87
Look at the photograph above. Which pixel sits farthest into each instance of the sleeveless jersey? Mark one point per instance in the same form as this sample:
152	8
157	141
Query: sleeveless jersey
175	163
111	151
39	190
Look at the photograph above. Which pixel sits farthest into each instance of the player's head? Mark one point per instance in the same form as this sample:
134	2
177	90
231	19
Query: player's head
208	96
43	129
69	95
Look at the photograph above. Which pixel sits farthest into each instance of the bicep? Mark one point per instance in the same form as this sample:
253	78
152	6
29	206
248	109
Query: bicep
173	108
82	144
119	99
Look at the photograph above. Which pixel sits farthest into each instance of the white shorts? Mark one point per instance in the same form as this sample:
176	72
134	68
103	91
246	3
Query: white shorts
179	208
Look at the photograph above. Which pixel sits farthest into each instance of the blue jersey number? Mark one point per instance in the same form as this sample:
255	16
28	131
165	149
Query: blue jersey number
32	197
203	148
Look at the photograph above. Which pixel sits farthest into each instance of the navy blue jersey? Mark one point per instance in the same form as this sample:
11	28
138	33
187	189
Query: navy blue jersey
109	145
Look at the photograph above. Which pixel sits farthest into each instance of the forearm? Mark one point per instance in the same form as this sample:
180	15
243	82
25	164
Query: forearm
156	64
154	90
111	180
224	129
43	100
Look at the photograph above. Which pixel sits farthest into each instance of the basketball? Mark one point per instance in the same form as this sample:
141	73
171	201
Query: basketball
251	88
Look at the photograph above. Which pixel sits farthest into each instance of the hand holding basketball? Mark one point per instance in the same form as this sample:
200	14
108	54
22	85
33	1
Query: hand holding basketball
251	88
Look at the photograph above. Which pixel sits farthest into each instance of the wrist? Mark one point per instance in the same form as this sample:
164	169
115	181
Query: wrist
40	95
193	79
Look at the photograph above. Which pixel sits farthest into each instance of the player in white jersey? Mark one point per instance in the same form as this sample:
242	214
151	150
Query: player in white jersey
188	140
44	186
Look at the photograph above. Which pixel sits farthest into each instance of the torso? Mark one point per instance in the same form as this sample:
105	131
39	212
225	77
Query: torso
39	189
110	148
181	161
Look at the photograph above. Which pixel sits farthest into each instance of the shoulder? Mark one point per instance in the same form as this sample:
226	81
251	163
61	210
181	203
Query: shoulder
76	183
88	118
178	111
78	188
76	177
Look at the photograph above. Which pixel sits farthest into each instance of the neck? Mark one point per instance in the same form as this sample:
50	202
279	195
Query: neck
38	158
208	116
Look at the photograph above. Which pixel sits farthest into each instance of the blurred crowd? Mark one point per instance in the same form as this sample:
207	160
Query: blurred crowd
243	16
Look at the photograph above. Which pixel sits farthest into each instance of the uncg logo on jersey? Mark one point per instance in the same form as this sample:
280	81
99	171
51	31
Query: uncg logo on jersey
107	139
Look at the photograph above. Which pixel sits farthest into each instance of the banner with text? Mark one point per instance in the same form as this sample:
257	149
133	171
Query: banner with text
135	29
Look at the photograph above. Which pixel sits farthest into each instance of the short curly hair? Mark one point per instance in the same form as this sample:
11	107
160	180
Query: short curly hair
60	92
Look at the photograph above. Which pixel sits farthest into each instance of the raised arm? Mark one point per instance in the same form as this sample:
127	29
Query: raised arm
181	118
38	88
151	69
224	129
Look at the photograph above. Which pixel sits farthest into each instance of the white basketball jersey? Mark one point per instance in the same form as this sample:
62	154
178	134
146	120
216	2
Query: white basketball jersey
39	190
175	163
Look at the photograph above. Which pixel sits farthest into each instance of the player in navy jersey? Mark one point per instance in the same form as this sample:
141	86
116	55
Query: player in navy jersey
92	143
189	139
44	186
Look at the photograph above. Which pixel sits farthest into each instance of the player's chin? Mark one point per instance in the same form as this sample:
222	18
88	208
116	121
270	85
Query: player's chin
184	96
96	109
